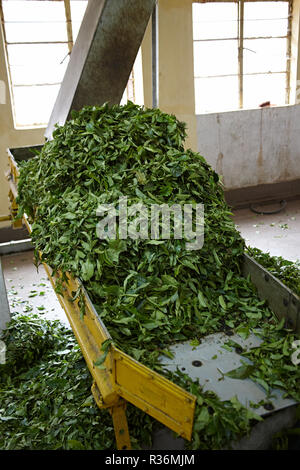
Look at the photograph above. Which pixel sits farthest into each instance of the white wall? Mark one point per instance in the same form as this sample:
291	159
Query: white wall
252	147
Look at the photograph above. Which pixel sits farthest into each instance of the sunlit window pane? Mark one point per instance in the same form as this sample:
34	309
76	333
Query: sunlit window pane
38	64
215	94
264	55
33	105
261	88
23	75
37	11
215	20
77	12
37	55
215	58
35	32
265	28
265	19
265	10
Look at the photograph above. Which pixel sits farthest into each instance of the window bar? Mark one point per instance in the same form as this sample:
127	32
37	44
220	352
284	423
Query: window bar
241	47
155	58
69	25
245	74
10	84
233	1
2	21
234	39
130	88
27	85
289	53
36	42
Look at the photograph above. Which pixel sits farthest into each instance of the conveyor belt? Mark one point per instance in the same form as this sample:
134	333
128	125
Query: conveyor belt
99	67
213	358
124	379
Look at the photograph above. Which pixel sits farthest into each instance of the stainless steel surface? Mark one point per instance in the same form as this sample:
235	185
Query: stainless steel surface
281	300
18	246
209	361
4	308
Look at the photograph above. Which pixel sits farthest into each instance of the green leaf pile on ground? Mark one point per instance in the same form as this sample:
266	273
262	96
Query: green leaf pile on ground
46	401
45	396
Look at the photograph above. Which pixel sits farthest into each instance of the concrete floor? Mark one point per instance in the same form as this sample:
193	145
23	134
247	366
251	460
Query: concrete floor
30	290
278	234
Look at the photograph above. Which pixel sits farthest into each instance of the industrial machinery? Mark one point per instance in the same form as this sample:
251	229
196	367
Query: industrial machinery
125	380
109	28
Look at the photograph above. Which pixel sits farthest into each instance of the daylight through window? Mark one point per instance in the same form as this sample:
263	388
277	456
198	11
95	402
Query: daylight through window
39	36
241	54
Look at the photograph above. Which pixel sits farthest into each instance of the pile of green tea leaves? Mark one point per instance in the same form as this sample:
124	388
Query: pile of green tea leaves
148	292
151	293
288	272
46	402
45	392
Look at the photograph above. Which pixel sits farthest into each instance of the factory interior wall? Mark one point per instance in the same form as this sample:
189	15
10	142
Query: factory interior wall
252	147
9	136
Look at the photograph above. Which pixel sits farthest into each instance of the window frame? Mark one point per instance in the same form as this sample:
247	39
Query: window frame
240	38
69	42
129	92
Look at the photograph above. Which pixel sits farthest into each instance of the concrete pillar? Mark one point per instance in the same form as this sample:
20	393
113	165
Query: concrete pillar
176	66
176	63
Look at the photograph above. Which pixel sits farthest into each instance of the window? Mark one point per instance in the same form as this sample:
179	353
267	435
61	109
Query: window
241	54
134	90
39	36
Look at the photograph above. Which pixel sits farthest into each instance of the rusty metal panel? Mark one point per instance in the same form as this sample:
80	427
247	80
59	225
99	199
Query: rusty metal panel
102	57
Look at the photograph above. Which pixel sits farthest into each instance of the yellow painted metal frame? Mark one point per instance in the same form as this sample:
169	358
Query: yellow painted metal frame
123	379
